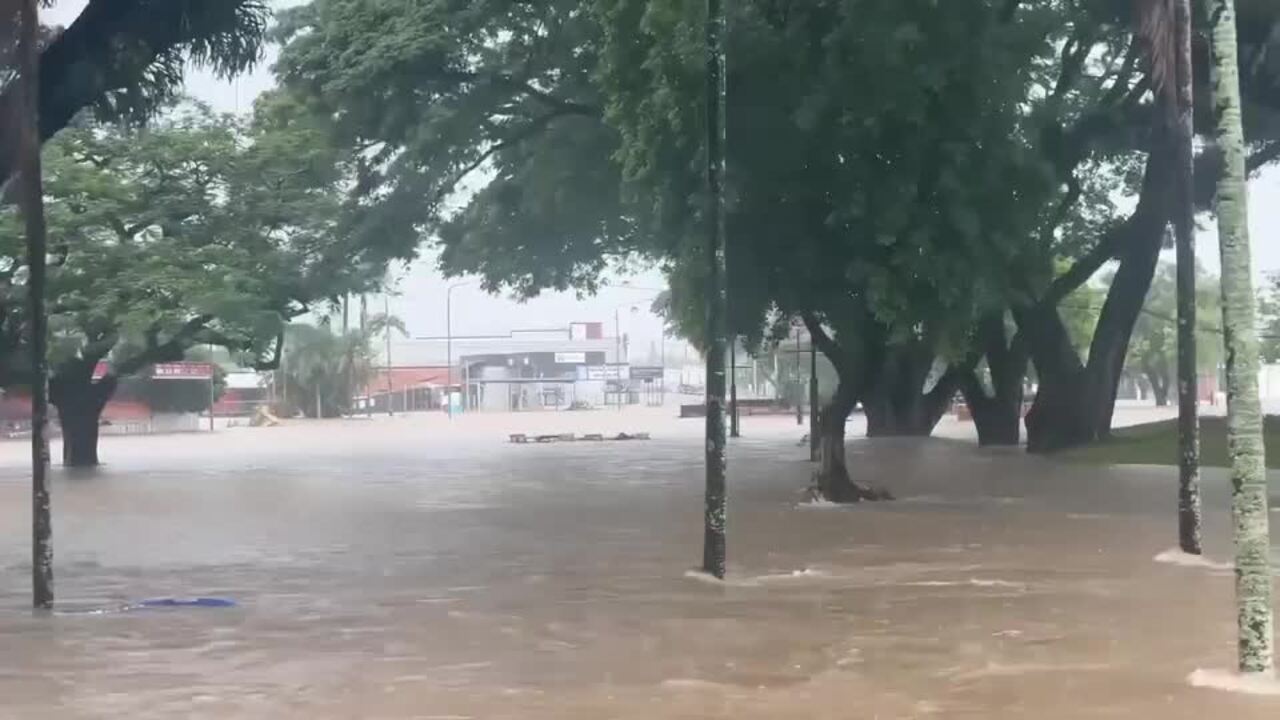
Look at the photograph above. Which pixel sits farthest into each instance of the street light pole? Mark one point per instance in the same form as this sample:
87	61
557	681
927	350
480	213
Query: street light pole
715	501
448	341
813	401
32	201
386	317
799	386
733	388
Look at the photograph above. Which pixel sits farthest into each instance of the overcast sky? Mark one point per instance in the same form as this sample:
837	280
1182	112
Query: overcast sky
421	299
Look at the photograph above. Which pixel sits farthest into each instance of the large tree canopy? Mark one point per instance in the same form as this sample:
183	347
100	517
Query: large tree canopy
904	173
125	58
194	230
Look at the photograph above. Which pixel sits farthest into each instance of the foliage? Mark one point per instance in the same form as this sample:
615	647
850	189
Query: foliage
1269	319
196	230
1153	347
446	95
887	101
324	370
125	59
176	396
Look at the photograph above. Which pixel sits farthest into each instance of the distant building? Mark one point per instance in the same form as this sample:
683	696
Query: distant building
533	369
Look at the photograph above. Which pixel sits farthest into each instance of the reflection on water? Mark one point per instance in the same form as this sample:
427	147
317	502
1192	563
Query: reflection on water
408	569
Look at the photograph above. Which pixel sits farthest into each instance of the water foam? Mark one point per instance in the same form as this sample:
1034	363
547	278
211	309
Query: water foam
1175	556
1227	681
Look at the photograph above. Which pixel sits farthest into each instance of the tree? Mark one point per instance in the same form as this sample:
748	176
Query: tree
324	370
125	58
881	258
1269	320
1153	348
177	396
1076	398
195	231
1244	412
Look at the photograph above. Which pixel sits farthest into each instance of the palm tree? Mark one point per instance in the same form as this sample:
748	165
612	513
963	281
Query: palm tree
1244	413
323	369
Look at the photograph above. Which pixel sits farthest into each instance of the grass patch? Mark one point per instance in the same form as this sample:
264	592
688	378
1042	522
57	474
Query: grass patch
1157	444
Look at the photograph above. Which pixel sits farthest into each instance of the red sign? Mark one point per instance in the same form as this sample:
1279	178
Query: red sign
167	371
182	371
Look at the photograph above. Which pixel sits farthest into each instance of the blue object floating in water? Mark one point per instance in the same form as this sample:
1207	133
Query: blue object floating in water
200	602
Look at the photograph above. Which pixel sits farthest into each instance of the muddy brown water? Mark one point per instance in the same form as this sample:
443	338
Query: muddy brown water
418	569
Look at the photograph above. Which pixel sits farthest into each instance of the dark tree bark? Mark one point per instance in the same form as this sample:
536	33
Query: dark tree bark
997	415
896	405
1158	379
1075	401
80	401
832	480
108	47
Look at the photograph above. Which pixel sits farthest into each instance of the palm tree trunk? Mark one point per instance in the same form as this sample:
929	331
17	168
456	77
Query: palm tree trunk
1244	414
713	546
1184	232
32	189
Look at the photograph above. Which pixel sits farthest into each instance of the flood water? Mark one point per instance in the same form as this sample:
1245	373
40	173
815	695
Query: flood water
413	568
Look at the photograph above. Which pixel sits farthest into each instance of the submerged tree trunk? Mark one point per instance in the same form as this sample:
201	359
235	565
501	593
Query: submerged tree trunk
997	415
832	480
1075	401
896	405
80	401
1185	240
1244	412
1158	379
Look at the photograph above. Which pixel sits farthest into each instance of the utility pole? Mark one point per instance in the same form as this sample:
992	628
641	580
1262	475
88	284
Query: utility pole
733	388
799	384
1185	244
814	447
32	189
713	546
617	358
386	316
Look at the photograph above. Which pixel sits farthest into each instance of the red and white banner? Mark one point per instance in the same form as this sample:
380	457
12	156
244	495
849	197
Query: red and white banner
167	371
182	371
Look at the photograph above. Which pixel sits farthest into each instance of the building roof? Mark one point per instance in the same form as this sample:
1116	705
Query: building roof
401	378
435	351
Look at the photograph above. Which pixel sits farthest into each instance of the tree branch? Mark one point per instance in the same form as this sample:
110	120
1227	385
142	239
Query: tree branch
171	350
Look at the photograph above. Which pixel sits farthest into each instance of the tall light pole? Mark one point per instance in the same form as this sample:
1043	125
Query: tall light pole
733	387
617	358
813	402
714	518
799	384
386	316
32	199
448	335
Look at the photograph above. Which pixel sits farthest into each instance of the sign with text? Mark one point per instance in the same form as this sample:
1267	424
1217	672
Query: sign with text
608	372
646	373
182	371
571	358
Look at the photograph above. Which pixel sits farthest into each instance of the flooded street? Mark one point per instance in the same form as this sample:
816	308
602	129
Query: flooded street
408	568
